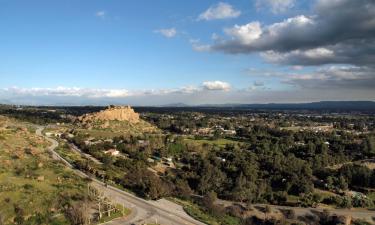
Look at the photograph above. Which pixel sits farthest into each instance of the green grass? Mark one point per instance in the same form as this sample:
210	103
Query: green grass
120	213
69	155
199	214
222	142
195	212
371	196
18	177
292	198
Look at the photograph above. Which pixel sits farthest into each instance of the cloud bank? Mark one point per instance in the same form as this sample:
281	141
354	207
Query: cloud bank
339	31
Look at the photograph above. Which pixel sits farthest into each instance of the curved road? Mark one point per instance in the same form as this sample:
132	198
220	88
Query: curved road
162	211
168	213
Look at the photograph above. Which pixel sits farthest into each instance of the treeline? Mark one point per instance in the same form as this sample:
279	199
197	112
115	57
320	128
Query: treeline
267	170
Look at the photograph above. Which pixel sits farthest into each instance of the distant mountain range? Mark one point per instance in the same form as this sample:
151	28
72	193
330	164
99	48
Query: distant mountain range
368	106
323	105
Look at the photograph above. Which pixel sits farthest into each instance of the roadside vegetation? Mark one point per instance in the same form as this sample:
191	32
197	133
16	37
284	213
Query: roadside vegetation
245	159
34	189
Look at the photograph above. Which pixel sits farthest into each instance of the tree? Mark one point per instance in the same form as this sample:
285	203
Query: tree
343	185
267	210
209	199
368	147
243	189
78	213
19	219
346	202
212	178
290	214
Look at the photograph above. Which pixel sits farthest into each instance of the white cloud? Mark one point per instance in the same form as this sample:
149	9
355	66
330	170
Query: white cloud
246	34
252	37
197	46
167	32
97	93
315	55
220	11
70	92
201	48
276	6
334	32
101	14
216	86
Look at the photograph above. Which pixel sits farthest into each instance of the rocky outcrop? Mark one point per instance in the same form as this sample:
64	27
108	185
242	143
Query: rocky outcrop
112	113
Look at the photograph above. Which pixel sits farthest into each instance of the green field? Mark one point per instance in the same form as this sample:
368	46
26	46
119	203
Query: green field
199	214
222	142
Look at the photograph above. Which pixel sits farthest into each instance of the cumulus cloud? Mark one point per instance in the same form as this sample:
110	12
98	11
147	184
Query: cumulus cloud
339	31
216	86
245	34
167	32
276	6
221	10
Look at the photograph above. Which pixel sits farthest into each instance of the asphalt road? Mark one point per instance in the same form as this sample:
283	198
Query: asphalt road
168	213
161	212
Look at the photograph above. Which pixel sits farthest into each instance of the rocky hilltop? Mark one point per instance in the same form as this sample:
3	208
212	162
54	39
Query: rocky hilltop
112	113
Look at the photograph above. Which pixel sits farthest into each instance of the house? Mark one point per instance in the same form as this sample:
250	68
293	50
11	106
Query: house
112	152
230	132
143	143
168	159
109	140
204	131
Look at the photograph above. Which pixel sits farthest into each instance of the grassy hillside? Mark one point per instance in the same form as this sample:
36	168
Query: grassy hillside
112	129
33	187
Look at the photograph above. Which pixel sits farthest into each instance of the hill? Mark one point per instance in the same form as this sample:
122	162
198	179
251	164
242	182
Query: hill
113	121
118	113
34	189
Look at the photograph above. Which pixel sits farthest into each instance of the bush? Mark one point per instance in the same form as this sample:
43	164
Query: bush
28	186
289	214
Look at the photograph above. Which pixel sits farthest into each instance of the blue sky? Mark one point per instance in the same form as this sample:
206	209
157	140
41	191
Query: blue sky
158	49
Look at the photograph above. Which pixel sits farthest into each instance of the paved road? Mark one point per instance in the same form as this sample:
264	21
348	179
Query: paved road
168	213
162	212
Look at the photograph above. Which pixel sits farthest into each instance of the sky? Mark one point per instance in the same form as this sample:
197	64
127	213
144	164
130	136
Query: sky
159	52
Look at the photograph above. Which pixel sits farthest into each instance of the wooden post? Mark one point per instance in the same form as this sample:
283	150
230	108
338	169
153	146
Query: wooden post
100	213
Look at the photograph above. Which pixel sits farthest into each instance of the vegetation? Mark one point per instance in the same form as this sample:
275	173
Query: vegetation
33	188
284	158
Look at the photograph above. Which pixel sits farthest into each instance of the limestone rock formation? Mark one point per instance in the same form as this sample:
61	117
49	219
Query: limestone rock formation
112	113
